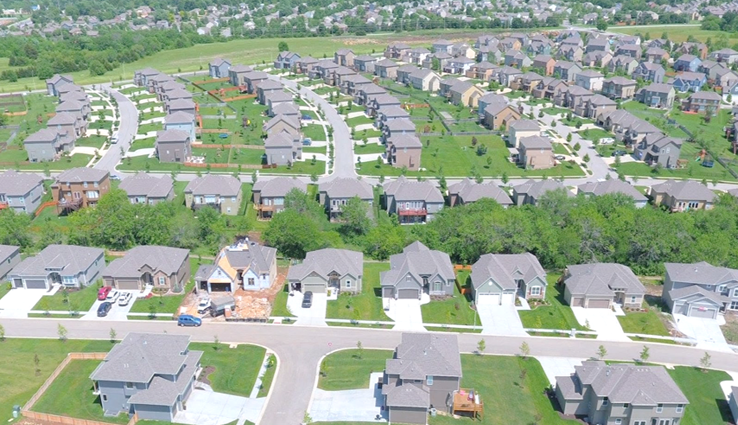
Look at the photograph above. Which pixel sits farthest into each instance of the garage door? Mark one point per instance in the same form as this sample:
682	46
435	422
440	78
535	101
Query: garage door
36	284
17	283
706	313
598	303
489	299
577	302
508	299
315	288
407	294
127	284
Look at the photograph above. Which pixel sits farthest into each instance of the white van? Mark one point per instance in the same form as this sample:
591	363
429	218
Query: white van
114	138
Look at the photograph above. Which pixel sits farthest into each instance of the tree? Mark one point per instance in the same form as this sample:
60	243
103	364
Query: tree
524	349
568	137
294	234
645	354
706	361
62	332
586	158
481	346
113	335
282	46
601	352
216	342
577	146
2	332
601	25
355	218
360	349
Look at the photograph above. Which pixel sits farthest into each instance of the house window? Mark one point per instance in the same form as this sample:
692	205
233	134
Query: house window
734	305
632	299
104	397
348	283
639	423
233	199
665	422
626	405
429	380
535	291
680	408
162	280
722	288
659	408
605	402
251	281
129	385
735	293
618	421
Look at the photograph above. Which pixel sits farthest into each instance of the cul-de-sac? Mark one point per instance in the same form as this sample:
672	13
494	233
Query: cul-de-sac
426	212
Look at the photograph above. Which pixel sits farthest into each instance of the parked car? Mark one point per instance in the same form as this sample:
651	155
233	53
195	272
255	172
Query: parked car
187	320
307	300
114	138
619	152
102	294
104	309
203	305
560	157
114	177
307	142
112	295
124	299
306	117
607	141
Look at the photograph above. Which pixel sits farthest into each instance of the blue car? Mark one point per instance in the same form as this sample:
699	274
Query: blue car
187	320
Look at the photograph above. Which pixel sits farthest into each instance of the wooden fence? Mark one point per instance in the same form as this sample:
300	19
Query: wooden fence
66	420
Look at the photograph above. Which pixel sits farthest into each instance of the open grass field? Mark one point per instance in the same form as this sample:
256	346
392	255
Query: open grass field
364	306
676	33
350	369
12	156
556	315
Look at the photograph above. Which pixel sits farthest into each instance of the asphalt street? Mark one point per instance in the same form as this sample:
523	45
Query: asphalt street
300	350
127	131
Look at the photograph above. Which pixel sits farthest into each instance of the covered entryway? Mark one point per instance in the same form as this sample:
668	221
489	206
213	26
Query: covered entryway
598	303
702	312
36	284
146	279
408	294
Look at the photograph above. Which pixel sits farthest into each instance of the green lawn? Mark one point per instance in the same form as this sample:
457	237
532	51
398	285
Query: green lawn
455	156
167	303
643	323
361	119
595	134
707	404
556	315
266	380
679	32
147	143
236	369
350	369
78	300
364	306
560	149
454	310
279	308
71	395
307	150
555	111
314	132
93	141
360	148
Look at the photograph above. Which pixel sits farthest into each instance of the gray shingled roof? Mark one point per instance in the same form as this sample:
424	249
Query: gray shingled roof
71	259
6	251
602	279
685	190
80	175
278	140
347	188
290	120
271	85
249	254
326	261
506	270
424	354
212	184
181	104
159	258
536	189
401	141
62	118
278	187
406	190
143	184
172	135
535	142
701	273
612	186
470	191
44	135
417	260
689	291
179	117
13	183
525	125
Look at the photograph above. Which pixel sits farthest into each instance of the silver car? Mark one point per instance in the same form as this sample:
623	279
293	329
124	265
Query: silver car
124	299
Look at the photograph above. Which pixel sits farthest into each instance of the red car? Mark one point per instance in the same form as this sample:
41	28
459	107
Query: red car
102	294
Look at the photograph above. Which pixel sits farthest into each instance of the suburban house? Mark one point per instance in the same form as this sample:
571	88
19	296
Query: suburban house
566	71
269	195
531	191
181	121
54	83
545	63
689	81
286	60
590	80
282	148
597	59
79	188
386	68
380	101
656	55
424	373
499	279
396	50
334	194
468	191
47	144
141	77
274	98
306	64
404	150
442	46
622	64
687	62
700	289
282	123
161	267
397	127
216	191
517	59
330	269
657	148
413	201
535	153
599	285
727	55
648	71
618	88
597	105
386	114
218	68
613	187
621	393
403	73
267	87
425	80
365	63
657	95
253	79
417	55
506	75
682	195
703	102
158	387
180	105
69	124
144	188
488	99
344	57
466	94
9	258
482	71
497	115
68	265
459	65
416	271
21	192
236	74
244	265
522	128
173	146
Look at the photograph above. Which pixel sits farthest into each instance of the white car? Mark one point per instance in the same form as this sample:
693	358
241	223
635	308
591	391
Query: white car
203	305
112	296
124	299
607	141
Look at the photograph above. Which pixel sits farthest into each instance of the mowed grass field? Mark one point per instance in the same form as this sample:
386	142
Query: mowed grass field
676	33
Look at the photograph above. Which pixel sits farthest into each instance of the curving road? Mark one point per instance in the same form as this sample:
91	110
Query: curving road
126	132
300	350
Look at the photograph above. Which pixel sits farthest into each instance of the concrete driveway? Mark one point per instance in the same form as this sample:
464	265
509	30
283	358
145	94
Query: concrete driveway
707	332
406	314
313	316
603	321
117	313
349	405
213	408
558	366
499	319
19	301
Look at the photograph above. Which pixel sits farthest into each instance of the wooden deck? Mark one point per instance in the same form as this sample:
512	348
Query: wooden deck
464	404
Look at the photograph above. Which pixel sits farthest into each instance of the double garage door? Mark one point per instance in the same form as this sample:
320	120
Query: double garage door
126	284
591	303
702	312
497	299
36	283
315	288
408	294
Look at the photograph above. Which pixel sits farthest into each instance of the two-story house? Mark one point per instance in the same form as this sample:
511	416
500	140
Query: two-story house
244	265
218	68
412	201
418	271
657	95
404	150
648	71
286	60
535	153
590	80
687	63
700	289
689	81
181	121
173	146
566	71
70	266
144	188
618	88
328	270
703	102
216	191
269	195
236	73
47	144
79	188
334	194
21	192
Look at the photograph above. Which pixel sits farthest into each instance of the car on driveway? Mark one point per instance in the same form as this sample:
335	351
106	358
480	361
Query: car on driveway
619	153
307	300
104	309
560	157
102	294
187	320
203	306
124	299
112	296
